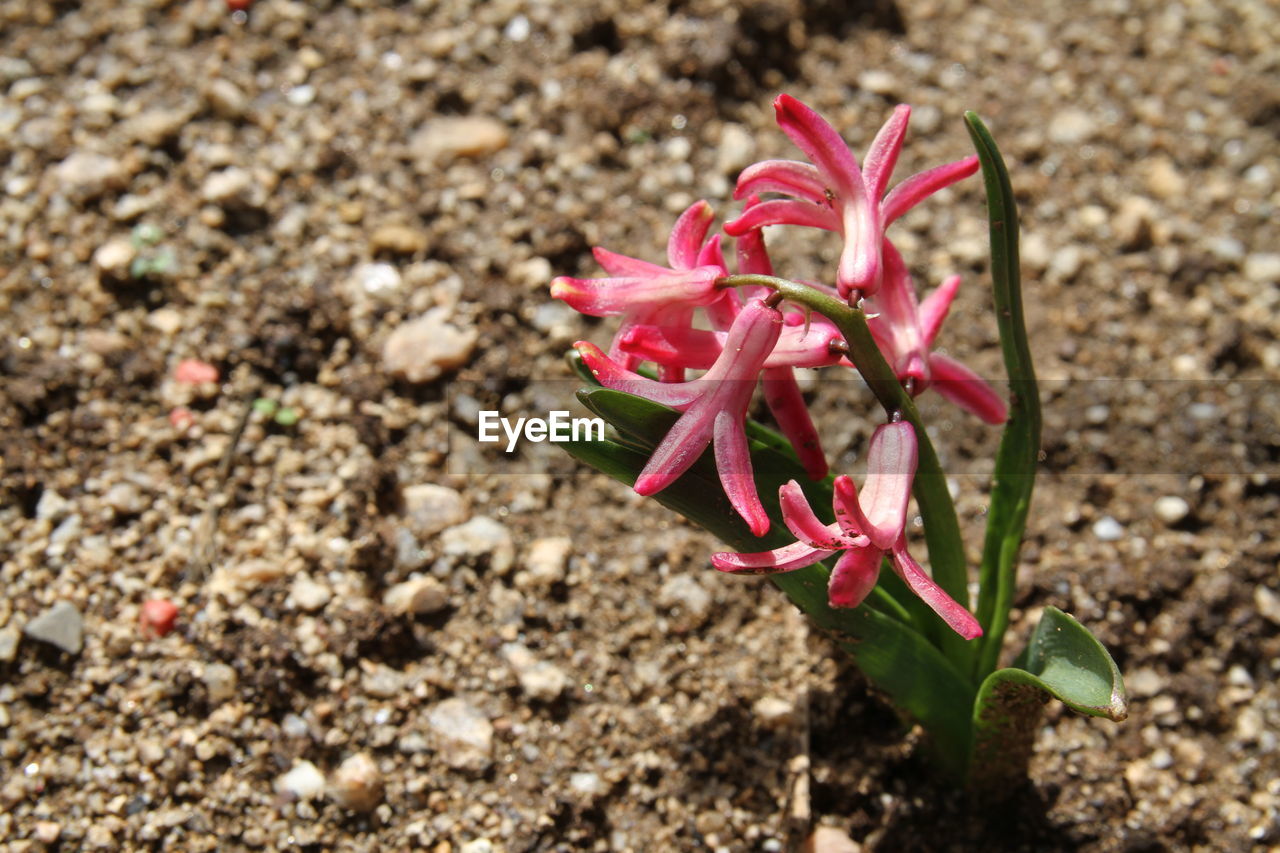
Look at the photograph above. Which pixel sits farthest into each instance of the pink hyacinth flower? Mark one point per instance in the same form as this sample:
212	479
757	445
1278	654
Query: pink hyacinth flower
833	193
905	331
645	293
867	527
714	410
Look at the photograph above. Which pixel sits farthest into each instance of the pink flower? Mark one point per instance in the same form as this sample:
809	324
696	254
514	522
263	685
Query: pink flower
714	407
645	293
905	330
867	527
835	194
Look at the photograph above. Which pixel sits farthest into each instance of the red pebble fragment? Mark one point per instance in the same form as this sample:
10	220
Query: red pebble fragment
193	371
238	5
158	617
181	417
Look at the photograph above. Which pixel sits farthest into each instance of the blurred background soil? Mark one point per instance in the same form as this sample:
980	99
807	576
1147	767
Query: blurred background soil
389	637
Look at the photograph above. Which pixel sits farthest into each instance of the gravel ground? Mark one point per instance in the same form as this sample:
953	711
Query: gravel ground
389	638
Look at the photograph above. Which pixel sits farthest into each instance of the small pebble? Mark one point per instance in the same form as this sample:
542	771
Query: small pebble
220	681
308	594
464	734
112	259
878	82
395	239
47	831
1071	126
377	278
304	781
430	508
546	560
540	680
357	784
61	626
158	617
9	638
447	137
232	187
1267	602
226	98
422	350
478	845
587	783
191	371
1263	267
773	712
1171	509
85	175
479	537
1108	529
685	592
417	596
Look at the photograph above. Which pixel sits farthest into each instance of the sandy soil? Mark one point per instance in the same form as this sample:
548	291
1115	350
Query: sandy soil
389	637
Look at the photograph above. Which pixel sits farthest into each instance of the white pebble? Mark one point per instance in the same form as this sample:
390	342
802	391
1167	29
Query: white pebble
422	349
304	781
1171	509
517	28
357	784
1108	529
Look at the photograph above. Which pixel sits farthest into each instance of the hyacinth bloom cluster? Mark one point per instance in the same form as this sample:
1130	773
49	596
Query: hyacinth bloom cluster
681	317
867	528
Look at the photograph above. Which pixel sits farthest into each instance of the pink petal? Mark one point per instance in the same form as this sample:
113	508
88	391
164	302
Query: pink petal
693	348
823	145
783	176
687	235
621	266
803	524
677	452
712	255
733	463
915	189
891	465
967	390
782	211
604	297
794	556
612	375
860	261
960	620
844	500
896	324
882	156
805	344
935	307
752	337
753	256
854	576
782	395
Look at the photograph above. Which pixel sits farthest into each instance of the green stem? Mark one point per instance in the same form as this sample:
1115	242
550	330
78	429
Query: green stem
941	527
1015	470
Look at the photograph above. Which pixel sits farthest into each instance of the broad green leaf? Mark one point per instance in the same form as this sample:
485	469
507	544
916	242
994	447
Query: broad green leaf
1015	470
880	634
1063	661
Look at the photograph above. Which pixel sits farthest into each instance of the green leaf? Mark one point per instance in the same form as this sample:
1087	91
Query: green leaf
880	634
1015	471
1063	661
